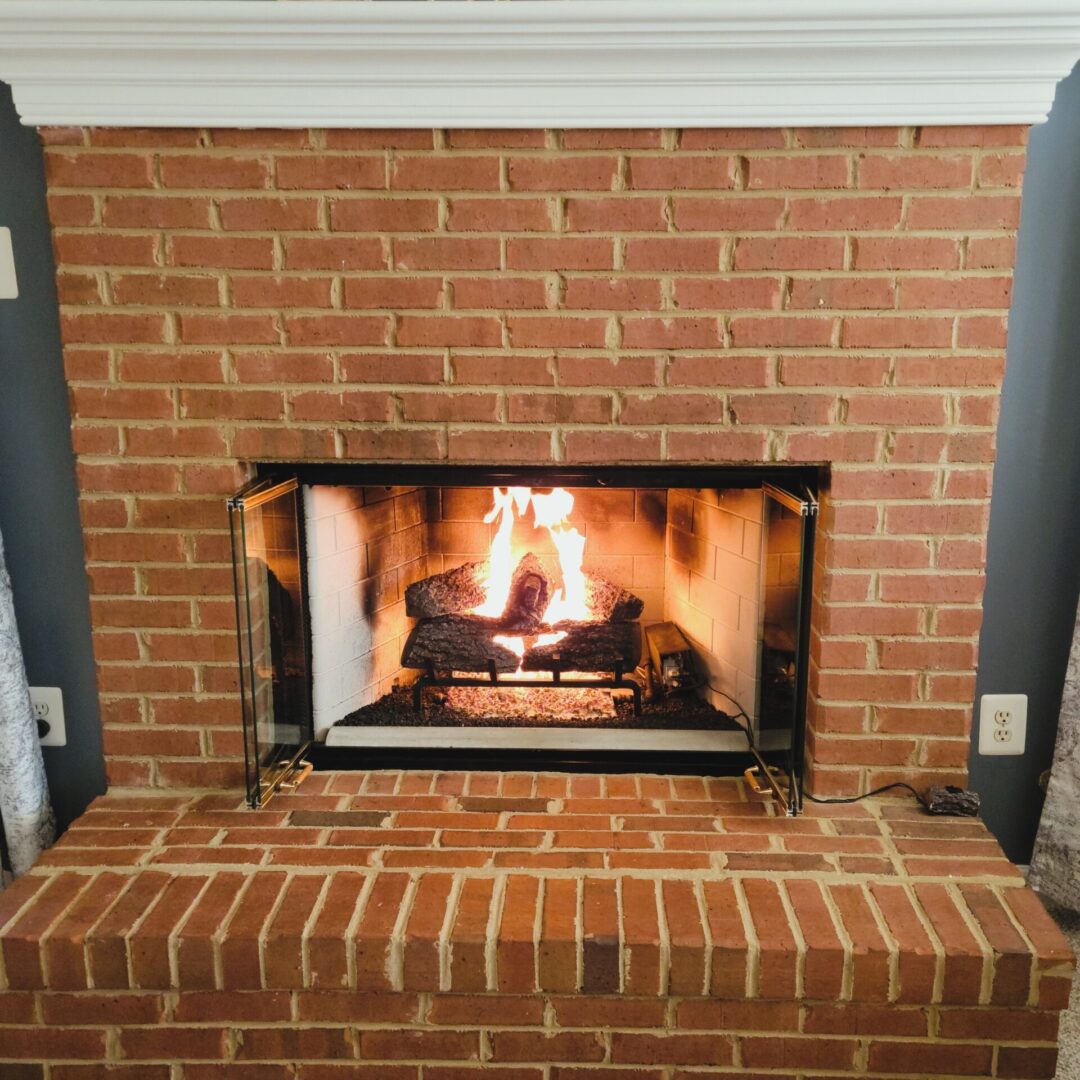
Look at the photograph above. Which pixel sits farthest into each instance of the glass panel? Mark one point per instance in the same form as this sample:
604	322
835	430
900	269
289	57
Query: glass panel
271	614
787	548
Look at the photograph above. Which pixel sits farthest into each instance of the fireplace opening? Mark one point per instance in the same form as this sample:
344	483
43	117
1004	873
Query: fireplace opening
611	618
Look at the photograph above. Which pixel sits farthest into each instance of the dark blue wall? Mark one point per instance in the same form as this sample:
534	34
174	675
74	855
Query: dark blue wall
1033	571
39	517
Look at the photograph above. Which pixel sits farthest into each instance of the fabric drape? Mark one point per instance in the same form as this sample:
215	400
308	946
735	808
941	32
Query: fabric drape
1055	864
25	809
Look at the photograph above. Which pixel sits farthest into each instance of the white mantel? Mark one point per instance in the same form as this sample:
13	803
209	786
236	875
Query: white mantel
519	63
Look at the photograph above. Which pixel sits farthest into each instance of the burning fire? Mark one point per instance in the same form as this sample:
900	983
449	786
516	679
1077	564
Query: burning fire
501	561
516	644
550	511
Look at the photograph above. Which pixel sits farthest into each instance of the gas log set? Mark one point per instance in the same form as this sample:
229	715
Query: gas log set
513	621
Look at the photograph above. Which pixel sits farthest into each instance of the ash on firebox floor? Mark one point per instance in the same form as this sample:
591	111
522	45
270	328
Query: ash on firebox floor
538	708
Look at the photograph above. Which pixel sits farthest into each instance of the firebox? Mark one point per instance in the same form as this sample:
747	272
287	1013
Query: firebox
612	618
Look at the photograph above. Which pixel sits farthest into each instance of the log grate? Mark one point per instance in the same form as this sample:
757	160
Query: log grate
616	681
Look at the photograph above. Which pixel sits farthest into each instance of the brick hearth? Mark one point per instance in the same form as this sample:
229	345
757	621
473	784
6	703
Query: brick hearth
534	927
833	296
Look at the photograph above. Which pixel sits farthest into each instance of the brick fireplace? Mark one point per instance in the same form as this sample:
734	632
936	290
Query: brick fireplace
834	297
427	269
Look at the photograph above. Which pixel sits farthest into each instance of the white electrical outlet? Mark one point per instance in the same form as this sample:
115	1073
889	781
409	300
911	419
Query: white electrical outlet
9	286
48	705
1002	724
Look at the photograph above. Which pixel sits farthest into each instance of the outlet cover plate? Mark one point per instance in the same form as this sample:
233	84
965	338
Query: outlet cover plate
48	706
9	285
999	737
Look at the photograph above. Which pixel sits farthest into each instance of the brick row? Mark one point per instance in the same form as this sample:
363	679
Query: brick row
735	939
500	1029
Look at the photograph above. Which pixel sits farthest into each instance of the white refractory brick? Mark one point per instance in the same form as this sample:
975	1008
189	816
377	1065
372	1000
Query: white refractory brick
357	621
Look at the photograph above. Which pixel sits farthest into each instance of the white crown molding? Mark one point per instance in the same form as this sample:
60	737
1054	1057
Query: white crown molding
559	63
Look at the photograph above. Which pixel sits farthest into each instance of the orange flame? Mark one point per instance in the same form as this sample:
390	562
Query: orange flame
501	560
515	645
550	511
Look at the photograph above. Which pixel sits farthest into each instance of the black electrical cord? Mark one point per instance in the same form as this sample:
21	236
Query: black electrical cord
745	729
866	795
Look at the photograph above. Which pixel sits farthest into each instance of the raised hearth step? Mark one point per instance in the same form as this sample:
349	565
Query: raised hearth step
398	925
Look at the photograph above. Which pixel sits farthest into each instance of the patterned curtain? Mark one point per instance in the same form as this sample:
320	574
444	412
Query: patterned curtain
25	810
1055	864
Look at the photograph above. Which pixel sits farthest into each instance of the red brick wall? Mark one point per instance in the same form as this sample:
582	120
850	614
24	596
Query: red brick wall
814	295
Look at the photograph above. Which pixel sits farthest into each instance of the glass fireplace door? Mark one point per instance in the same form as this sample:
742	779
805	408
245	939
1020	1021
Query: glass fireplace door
266	525
789	522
